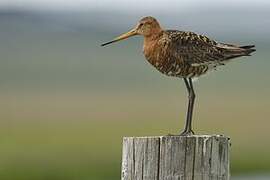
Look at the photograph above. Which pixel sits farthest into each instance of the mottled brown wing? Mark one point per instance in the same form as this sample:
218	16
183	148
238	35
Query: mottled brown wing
194	49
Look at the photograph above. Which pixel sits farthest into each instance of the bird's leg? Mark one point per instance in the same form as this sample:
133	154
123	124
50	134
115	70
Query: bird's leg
191	99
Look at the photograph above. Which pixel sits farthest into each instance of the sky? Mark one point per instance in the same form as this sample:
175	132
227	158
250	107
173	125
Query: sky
130	5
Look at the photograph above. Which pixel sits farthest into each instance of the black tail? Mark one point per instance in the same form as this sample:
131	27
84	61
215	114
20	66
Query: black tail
248	49
233	51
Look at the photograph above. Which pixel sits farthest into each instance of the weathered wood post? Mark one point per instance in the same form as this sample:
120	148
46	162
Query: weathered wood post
176	158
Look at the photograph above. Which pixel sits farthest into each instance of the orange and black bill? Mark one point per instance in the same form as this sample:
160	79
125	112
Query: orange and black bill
132	32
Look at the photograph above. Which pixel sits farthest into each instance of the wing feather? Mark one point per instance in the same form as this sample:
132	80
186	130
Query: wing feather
194	49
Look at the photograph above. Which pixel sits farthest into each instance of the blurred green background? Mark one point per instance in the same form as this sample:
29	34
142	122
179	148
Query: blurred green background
66	102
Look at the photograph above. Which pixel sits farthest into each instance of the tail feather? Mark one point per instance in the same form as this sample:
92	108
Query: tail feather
232	51
248	49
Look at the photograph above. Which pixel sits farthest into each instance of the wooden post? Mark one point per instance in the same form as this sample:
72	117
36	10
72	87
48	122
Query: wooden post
176	158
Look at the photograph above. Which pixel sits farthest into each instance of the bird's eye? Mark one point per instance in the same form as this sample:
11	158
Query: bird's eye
140	25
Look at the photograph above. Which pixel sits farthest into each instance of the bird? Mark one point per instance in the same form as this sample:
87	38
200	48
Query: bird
183	54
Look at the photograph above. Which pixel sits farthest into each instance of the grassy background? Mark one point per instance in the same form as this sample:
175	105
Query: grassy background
66	145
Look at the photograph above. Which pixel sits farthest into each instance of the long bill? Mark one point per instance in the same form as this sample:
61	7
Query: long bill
121	37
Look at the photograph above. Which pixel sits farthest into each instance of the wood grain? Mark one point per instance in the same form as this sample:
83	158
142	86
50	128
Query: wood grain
204	157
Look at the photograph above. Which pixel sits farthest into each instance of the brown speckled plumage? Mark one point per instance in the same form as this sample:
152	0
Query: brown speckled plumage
183	54
186	54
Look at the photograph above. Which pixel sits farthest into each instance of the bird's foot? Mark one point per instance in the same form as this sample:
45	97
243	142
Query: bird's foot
187	133
183	133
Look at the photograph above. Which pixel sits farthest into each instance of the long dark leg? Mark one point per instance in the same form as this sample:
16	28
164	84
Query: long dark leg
191	99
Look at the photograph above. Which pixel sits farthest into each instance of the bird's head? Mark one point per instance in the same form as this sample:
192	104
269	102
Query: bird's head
147	27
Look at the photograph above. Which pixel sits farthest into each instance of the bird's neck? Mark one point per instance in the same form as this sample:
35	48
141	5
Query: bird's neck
150	44
150	40
154	35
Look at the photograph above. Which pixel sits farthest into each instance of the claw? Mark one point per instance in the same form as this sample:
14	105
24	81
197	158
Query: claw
187	133
184	133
